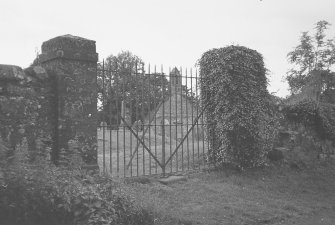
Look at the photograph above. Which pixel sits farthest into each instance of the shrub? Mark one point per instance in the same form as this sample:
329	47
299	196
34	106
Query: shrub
34	194
318	116
233	85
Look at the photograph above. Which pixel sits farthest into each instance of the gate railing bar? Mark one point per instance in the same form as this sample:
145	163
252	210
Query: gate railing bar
149	114
203	139
110	121
202	127
207	126
187	119
170	100
136	119
176	115
156	126
197	105
131	135
192	109
142	119
181	118
206	120
162	123
118	120
122	113
103	124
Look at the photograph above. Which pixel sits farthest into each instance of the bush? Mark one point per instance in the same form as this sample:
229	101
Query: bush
318	116
233	85
45	194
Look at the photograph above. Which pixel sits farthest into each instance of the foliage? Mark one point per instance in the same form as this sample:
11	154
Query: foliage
233	85
320	117
123	78
34	194
314	53
26	108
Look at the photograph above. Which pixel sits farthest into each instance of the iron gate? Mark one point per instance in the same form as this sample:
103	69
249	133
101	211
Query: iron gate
150	122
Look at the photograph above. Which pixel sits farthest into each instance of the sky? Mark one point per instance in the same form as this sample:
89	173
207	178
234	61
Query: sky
165	32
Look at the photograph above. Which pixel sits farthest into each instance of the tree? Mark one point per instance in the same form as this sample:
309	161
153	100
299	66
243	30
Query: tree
123	78
312	61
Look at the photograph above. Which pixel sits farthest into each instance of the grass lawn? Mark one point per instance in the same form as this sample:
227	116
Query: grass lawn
274	195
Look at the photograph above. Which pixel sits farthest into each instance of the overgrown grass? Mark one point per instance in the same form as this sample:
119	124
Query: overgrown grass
274	195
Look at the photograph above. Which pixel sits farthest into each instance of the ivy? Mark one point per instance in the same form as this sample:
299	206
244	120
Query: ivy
318	116
233	84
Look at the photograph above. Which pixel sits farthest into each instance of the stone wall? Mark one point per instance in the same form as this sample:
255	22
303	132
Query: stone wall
27	105
53	106
299	144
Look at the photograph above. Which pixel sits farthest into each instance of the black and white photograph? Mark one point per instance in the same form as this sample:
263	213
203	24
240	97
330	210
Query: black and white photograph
156	112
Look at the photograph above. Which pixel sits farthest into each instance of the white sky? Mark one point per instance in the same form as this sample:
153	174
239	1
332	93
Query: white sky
169	32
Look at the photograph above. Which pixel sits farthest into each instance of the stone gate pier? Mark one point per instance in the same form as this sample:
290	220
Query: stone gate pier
72	61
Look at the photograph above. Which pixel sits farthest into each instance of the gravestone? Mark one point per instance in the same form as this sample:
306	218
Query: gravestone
125	115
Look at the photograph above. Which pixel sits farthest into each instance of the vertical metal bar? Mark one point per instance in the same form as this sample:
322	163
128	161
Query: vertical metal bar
206	125
176	111
203	124
142	118
124	142
149	114
110	116
163	147
163	122
170	122
136	111
155	72
213	145
207	135
123	125
103	122
196	93
187	122
130	133
118	117
192	117
181	118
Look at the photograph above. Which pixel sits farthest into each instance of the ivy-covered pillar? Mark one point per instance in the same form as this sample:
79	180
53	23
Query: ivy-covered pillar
73	62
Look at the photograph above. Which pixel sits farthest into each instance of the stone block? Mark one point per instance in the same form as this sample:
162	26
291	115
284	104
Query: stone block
11	73
69	47
37	72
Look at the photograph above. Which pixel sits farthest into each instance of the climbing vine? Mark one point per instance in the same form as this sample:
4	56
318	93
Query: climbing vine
233	84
